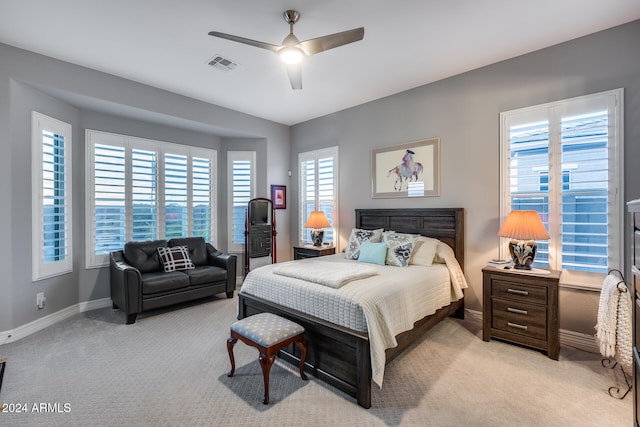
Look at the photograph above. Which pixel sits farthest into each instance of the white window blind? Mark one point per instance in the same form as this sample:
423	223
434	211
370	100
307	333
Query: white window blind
175	196
202	197
52	251
318	190
141	189
564	160
241	171
144	194
109	195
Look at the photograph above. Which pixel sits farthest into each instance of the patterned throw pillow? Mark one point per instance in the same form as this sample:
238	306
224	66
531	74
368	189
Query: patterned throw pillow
175	258
399	248
357	237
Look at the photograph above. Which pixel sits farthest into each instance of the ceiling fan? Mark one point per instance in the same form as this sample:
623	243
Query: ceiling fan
293	50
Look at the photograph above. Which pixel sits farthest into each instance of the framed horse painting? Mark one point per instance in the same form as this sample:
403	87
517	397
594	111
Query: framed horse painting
406	170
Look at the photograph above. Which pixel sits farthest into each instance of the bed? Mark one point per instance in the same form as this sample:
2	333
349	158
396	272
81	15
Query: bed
341	355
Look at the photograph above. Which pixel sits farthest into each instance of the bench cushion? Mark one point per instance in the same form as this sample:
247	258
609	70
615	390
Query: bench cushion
266	329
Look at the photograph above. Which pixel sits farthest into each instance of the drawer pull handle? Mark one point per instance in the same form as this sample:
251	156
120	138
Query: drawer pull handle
517	292
516	310
515	325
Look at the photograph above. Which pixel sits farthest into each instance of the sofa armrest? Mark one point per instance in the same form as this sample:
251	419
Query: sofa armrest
226	261
126	285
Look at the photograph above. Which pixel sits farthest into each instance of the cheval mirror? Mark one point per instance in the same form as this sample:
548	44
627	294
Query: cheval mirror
259	234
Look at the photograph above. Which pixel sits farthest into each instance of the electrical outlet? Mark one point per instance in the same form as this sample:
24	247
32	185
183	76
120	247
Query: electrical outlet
40	300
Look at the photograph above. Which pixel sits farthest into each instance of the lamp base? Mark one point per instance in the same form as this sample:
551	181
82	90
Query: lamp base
523	253
317	236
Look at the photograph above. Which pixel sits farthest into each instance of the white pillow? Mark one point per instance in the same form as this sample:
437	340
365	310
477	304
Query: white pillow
399	248
424	251
358	236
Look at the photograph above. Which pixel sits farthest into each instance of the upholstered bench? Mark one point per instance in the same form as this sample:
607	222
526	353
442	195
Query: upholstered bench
268	333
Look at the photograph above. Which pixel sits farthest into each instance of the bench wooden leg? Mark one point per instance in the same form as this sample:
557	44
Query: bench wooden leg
231	341
265	364
302	345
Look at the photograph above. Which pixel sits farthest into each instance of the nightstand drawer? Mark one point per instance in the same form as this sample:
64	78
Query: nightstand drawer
305	253
530	294
518	318
302	252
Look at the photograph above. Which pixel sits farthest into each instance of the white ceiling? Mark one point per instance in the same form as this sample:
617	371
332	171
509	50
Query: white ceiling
164	43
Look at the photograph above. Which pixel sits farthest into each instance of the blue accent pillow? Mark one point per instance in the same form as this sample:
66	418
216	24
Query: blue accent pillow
373	253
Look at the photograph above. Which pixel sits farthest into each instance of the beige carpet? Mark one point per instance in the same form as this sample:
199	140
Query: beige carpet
170	368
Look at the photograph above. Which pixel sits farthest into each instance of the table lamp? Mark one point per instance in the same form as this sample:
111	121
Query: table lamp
523	228
317	221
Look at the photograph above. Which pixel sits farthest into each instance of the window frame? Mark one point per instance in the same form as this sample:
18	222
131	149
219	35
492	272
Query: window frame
554	112
314	156
161	148
39	268
232	156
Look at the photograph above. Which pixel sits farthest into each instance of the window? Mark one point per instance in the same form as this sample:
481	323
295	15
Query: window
141	189
564	160
241	175
52	251
318	185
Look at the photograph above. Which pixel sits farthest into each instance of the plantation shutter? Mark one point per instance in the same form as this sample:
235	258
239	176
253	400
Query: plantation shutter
202	203
109	200
144	194
564	160
318	190
241	176
51	198
175	196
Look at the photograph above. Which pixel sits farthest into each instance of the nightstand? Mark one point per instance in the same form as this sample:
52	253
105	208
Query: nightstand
308	251
521	306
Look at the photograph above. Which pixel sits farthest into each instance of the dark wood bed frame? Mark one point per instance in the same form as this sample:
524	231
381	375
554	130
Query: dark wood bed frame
341	356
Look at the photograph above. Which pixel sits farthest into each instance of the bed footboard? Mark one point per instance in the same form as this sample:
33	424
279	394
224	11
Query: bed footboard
337	355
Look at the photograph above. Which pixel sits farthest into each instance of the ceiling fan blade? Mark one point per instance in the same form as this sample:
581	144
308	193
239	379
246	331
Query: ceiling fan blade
262	45
295	75
320	44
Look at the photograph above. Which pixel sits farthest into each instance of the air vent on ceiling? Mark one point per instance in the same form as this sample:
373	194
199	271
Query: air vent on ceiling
222	63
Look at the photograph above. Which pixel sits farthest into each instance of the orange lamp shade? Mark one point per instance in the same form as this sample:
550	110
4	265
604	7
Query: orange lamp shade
523	225
317	219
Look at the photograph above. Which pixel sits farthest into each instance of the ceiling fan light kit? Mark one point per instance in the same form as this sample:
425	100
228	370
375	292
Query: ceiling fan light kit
292	50
291	55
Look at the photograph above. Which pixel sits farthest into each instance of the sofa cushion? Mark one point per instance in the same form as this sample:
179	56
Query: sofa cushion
197	248
206	275
175	258
143	255
153	283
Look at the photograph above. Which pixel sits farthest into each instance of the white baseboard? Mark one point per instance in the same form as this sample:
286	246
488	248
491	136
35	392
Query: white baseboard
44	322
94	304
578	340
573	339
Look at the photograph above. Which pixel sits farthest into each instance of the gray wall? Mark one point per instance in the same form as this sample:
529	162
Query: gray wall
89	99
463	111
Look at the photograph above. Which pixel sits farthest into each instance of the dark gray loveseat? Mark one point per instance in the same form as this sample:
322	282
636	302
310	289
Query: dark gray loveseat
140	283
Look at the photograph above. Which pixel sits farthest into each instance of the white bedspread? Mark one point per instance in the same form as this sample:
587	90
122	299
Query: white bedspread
383	305
331	274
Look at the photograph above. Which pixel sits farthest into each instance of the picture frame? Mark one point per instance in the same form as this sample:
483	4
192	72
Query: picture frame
406	170
279	196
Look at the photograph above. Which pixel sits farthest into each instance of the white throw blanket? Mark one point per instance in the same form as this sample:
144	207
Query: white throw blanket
613	330
325	273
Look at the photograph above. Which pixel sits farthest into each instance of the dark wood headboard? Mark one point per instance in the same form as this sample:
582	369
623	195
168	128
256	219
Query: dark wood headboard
445	224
